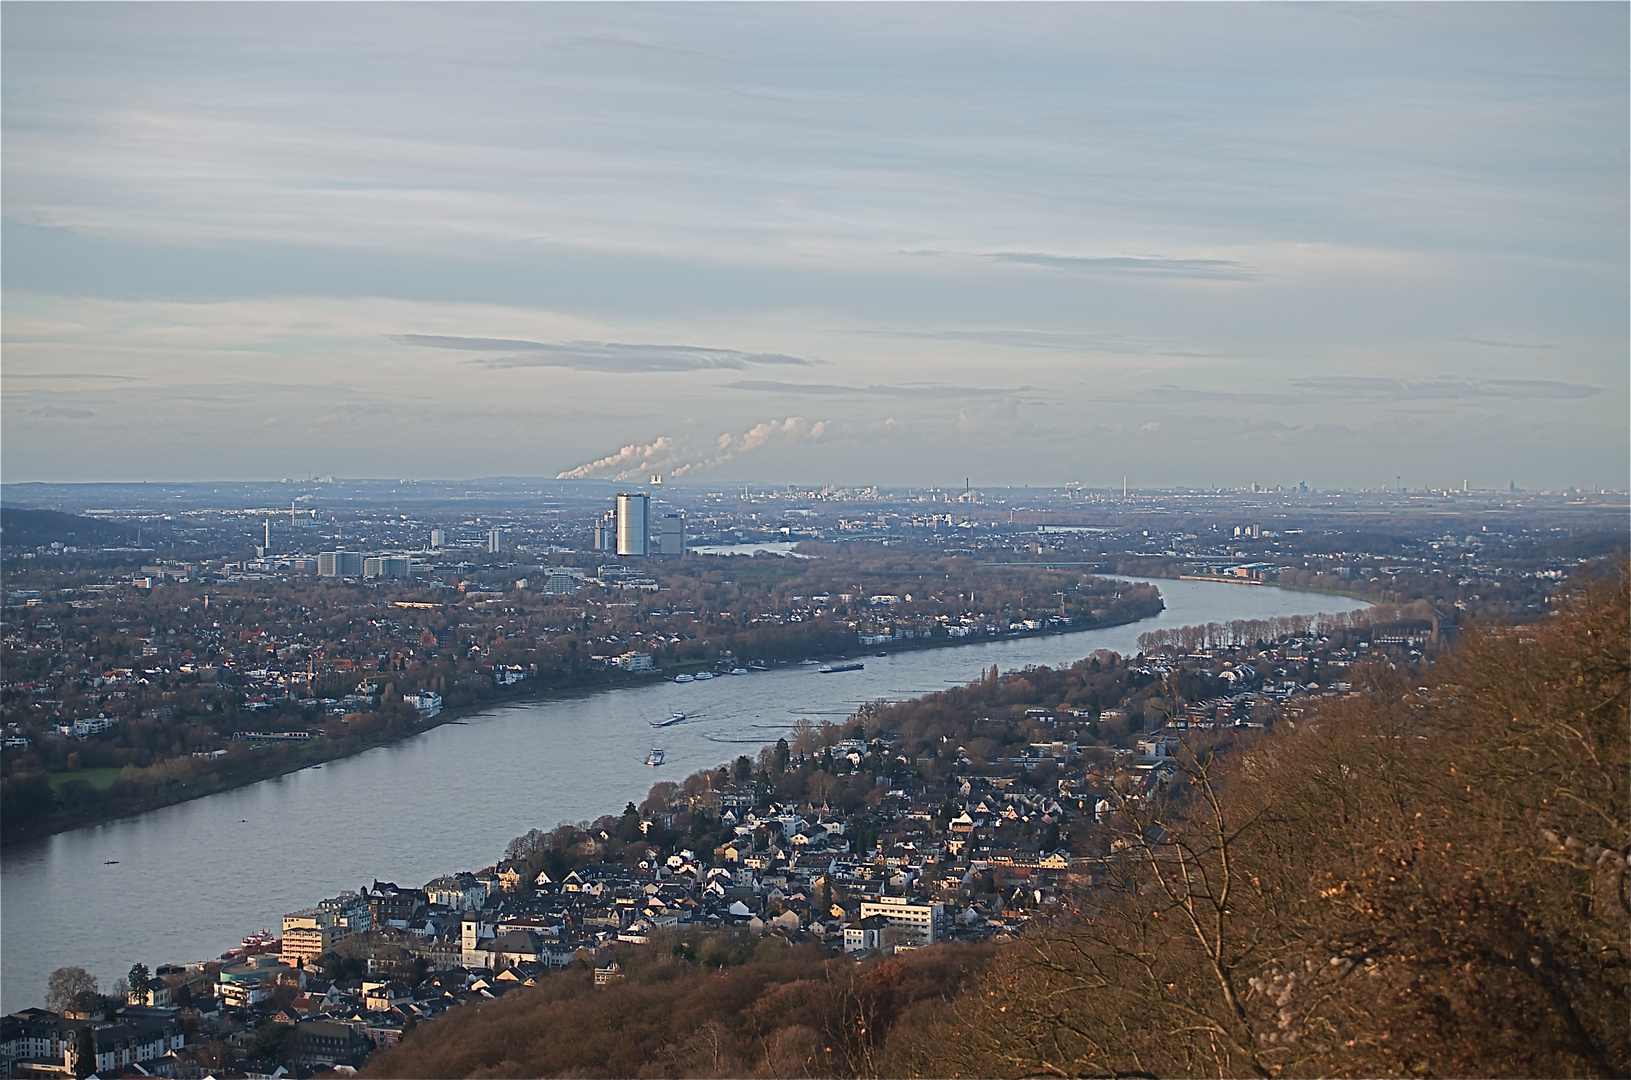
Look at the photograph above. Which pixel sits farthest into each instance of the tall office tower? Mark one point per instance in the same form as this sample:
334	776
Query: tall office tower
268	534
673	534
632	512
437	538
495	541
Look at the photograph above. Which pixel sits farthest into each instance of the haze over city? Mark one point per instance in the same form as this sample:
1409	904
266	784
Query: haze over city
1342	244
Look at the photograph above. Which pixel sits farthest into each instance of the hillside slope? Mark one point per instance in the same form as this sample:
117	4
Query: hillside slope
1430	880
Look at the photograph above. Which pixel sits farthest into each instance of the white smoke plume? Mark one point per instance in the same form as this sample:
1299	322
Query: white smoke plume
638	461
792	429
629	461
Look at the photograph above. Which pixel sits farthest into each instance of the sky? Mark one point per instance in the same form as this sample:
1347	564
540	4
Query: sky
1216	244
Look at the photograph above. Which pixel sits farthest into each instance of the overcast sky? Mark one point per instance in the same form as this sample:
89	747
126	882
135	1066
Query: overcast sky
856	243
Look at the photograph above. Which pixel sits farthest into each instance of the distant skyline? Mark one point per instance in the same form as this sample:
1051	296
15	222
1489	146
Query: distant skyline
851	243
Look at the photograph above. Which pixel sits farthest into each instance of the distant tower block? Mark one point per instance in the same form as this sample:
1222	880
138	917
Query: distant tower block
437	538
495	540
673	534
632	531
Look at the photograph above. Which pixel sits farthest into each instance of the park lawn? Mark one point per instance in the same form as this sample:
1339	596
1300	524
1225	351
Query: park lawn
99	778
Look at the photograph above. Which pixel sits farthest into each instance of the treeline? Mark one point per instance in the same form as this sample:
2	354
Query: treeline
1238	633
32	805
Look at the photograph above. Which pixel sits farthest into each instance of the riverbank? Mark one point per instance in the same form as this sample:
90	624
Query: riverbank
294	758
291	759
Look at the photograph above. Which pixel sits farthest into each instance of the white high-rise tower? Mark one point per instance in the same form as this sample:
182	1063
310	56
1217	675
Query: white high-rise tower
632	532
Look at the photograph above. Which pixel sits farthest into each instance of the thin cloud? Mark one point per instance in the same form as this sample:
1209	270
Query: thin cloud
1046	339
876	390
1357	388
72	375
1487	343
1447	389
1142	264
605	356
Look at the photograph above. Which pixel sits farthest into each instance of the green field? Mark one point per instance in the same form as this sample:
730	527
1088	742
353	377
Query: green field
100	778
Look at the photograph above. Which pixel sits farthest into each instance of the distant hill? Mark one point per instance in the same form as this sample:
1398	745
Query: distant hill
32	528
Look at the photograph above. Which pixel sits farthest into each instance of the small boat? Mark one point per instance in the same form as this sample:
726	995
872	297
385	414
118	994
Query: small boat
655	758
758	665
701	675
676	718
833	669
261	939
739	671
111	862
685	678
807	663
882	654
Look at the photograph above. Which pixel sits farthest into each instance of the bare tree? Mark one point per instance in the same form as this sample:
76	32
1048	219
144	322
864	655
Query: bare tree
68	988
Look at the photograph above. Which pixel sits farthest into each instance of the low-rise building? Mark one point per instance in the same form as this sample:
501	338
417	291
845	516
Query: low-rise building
915	922
308	934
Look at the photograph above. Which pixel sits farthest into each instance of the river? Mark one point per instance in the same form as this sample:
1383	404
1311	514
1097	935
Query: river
186	882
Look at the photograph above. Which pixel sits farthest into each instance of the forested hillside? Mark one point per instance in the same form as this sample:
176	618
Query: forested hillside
25	528
1429	878
728	1008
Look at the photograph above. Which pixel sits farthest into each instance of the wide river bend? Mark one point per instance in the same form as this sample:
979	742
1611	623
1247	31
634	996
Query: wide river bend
186	882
